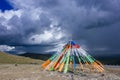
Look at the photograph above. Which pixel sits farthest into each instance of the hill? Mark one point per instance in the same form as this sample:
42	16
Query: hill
109	60
37	56
10	59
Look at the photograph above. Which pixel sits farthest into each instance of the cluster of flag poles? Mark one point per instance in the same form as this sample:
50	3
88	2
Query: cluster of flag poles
74	55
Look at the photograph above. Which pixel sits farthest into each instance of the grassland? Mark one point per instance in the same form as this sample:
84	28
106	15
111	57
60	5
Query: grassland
13	59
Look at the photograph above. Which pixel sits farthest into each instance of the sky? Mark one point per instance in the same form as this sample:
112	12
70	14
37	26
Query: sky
40	26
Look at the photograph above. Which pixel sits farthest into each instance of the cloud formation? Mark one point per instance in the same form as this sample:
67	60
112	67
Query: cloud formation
94	23
24	25
6	48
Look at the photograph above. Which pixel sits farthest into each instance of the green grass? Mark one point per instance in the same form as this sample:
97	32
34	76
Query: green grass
14	59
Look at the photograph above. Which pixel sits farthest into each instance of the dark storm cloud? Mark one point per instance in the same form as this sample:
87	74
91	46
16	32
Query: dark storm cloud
92	22
106	5
16	29
104	22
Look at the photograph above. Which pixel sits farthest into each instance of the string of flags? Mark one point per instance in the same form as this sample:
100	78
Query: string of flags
72	57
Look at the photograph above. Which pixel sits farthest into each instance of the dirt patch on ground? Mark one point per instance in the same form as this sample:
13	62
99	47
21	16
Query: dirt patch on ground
35	72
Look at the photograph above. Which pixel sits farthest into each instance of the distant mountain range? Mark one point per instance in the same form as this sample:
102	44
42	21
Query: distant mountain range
37	56
109	60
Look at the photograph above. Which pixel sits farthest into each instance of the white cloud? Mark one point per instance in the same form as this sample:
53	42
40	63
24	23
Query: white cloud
6	24
6	48
9	14
52	35
39	38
